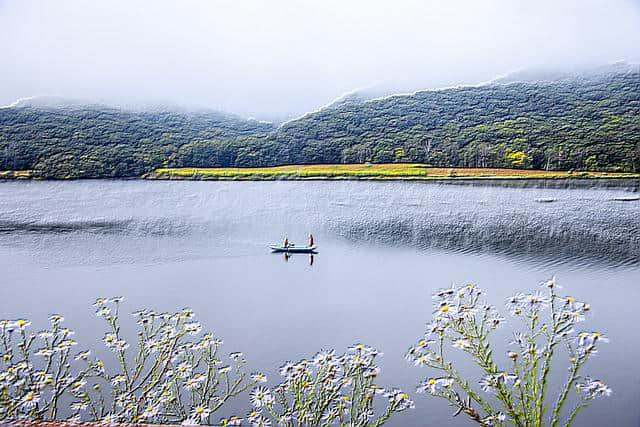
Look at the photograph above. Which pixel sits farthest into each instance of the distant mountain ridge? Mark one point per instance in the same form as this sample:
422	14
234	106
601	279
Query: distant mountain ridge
534	74
568	121
581	121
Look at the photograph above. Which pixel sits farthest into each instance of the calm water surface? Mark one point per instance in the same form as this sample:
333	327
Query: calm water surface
384	248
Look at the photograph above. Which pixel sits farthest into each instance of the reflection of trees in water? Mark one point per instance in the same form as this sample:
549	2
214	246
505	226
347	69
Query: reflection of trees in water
616	241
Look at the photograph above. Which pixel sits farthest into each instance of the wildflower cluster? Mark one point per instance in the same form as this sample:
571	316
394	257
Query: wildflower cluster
327	390
463	321
176	374
35	369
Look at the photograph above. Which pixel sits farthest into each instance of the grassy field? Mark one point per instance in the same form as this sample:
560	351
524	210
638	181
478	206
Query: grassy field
25	174
371	171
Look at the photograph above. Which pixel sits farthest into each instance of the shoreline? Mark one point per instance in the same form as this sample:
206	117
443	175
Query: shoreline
379	172
363	172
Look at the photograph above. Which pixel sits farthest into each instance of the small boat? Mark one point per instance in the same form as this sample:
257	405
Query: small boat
294	249
626	199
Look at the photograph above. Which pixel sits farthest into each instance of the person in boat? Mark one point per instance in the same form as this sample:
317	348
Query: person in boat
311	242
286	243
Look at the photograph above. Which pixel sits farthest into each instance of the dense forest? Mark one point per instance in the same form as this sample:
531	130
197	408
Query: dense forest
581	123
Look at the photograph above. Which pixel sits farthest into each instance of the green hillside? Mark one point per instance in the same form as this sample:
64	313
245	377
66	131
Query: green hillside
580	123
573	124
97	141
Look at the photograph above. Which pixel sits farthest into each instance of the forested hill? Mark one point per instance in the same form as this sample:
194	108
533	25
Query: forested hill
589	122
98	141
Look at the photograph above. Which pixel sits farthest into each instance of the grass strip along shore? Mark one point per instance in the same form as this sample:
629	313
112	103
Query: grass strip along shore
401	171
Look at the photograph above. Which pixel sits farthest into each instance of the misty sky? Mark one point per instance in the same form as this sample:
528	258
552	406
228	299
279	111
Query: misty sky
272	59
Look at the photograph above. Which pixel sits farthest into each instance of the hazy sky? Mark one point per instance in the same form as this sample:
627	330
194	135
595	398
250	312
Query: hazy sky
276	58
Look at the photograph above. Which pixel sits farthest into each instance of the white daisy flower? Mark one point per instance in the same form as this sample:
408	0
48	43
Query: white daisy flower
192	328
515	303
110	340
201	412
56	318
551	284
44	352
536	301
462	344
103	312
400	399
83	355
261	421
260	396
258	377
593	388
21	323
78	385
100	301
30	400
150	411
184	369
236	356
118	379
424	343
194	382
109	419
434	385
79	406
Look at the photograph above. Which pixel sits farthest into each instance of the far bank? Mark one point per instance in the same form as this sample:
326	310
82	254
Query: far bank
409	172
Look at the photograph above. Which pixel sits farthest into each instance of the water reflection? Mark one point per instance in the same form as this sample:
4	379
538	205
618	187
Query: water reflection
310	257
533	220
612	243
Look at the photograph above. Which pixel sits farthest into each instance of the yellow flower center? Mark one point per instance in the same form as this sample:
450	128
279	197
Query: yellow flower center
444	308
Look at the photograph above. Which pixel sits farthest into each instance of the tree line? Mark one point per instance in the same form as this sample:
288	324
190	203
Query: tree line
588	123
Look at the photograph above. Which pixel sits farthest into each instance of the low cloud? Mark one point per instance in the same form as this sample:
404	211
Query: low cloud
279	59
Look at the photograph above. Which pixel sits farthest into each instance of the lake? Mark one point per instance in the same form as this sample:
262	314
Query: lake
384	248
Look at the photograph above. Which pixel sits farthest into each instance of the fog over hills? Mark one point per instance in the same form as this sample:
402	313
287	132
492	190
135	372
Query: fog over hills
275	61
585	121
530	74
